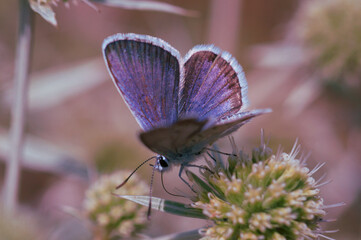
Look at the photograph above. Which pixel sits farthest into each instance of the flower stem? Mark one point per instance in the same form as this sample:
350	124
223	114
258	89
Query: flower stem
22	62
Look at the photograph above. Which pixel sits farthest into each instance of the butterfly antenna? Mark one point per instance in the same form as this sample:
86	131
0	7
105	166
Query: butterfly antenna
126	180
172	194
150	194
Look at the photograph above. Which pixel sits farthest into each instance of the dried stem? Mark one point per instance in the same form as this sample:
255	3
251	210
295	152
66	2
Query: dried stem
22	62
224	24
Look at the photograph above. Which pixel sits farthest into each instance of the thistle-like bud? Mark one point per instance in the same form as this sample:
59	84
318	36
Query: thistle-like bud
262	196
330	30
113	216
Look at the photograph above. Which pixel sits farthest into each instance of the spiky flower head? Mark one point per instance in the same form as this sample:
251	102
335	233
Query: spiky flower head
331	31
113	216
262	196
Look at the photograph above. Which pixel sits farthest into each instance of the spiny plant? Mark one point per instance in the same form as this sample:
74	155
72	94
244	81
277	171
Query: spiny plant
261	195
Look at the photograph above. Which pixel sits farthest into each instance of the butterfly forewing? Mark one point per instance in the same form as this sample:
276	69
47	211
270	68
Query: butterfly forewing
146	72
214	85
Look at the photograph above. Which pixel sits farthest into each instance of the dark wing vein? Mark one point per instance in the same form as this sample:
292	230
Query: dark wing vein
213	84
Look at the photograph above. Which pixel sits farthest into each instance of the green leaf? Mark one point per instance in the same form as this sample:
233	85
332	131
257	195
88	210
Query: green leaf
147	5
45	10
168	206
203	185
190	235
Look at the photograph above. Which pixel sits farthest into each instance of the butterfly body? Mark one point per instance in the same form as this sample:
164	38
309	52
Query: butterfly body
171	141
182	104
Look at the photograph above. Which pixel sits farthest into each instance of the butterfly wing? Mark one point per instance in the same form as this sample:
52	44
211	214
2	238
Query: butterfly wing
188	137
222	128
146	72
170	141
214	85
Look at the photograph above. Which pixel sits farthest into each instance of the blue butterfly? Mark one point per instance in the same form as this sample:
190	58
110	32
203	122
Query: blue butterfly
182	104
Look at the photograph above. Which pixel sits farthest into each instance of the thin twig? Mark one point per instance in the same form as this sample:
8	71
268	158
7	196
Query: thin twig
22	62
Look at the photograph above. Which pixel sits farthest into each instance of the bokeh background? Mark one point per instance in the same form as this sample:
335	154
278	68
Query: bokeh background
78	127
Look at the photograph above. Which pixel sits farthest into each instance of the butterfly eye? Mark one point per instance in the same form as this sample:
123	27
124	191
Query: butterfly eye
163	162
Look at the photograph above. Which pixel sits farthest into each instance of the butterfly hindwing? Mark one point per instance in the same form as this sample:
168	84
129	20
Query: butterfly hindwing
214	85
170	141
222	128
146	72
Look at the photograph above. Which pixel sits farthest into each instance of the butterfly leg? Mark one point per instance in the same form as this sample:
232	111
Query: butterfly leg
213	158
220	152
200	167
180	176
172	194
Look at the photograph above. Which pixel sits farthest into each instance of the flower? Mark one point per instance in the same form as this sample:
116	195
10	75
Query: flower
112	216
262	196
330	30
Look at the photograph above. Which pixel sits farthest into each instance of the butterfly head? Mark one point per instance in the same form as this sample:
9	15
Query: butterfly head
162	164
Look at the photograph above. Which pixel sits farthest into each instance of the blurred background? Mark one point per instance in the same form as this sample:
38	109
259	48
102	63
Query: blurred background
302	59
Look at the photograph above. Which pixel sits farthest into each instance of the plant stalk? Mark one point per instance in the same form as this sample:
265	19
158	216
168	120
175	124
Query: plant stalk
20	94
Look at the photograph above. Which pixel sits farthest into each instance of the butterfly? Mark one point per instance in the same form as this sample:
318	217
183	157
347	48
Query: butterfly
182	104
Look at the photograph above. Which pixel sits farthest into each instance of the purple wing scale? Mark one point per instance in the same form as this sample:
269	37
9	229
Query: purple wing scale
214	85
146	72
